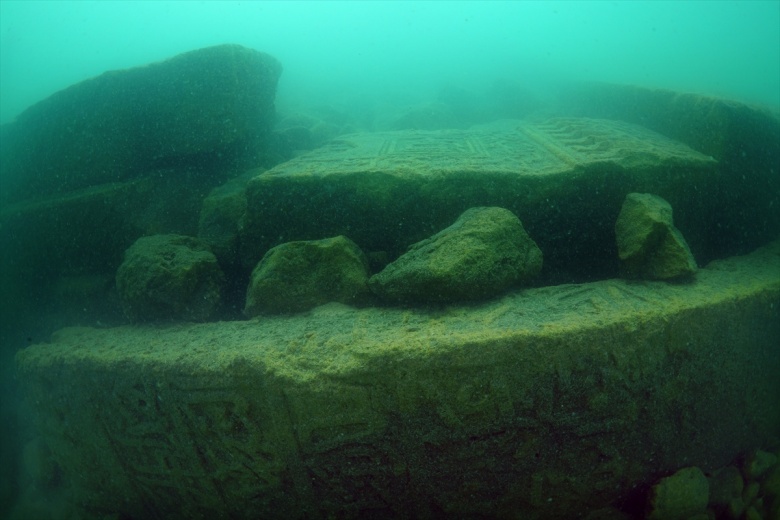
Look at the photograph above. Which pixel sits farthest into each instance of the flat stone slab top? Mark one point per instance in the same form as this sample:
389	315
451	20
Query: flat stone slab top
548	402
565	178
515	147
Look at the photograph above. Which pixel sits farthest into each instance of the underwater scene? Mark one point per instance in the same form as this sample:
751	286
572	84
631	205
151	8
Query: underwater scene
379	260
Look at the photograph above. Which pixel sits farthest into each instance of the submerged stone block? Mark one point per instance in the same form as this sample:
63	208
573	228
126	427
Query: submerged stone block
129	153
207	108
564	178
744	139
548	403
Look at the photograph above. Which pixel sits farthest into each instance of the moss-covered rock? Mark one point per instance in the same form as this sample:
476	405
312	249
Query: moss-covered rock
771	489
649	245
211	108
220	215
297	276
680	496
726	486
484	253
166	277
546	403
758	463
744	139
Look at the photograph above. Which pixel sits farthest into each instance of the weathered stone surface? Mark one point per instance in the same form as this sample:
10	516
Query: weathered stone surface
166	277
219	218
649	245
726	487
564	178
547	403
744	139
759	463
89	229
297	276
208	108
680	496
771	490
127	154
484	253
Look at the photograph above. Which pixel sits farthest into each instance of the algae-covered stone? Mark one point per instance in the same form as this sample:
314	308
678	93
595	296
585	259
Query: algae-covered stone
771	490
38	464
220	214
759	463
680	496
649	245
726	486
741	137
297	276
564	178
211	108
468	411
167	277
485	252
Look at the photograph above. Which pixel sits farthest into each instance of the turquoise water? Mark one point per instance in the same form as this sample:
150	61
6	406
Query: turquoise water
404	50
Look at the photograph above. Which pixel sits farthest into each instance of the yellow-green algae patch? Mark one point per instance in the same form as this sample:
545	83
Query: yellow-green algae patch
549	401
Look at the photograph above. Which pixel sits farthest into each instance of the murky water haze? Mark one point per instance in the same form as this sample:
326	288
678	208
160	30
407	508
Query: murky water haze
363	58
403	52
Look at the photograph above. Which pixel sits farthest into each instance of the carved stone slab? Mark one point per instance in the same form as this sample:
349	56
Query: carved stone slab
518	148
547	403
565	178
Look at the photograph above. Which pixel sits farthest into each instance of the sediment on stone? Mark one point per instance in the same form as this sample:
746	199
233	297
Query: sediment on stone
553	400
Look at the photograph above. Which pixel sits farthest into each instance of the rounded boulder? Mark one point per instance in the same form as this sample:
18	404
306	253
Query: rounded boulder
169	277
484	253
297	276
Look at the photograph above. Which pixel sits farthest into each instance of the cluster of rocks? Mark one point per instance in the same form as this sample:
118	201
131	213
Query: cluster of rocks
751	491
211	116
132	154
483	254
747	490
126	154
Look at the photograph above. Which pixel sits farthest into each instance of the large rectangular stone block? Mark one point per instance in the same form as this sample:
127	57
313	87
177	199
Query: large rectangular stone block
565	178
206	109
547	402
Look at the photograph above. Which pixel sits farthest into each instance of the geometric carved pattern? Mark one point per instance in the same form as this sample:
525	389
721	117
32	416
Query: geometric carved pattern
382	412
518	147
184	441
